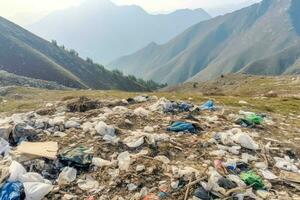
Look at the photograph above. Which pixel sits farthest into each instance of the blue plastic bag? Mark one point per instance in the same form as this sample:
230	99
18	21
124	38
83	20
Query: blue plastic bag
12	191
182	127
209	105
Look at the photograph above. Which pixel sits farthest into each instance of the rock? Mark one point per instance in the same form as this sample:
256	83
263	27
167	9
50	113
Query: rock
140	168
72	124
69	197
163	159
174	184
243	102
103	129
132	187
124	161
140	99
49	105
59	134
56	121
128	122
99	162
142	112
87	127
263	194
120	109
149	129
82	104
271	94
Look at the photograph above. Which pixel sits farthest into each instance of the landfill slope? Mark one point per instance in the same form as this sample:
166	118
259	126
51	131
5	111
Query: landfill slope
146	147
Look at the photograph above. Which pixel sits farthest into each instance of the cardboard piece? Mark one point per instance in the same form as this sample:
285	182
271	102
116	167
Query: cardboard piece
38	149
290	176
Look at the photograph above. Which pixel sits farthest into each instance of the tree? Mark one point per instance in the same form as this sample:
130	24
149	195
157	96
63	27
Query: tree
54	43
89	60
73	52
117	72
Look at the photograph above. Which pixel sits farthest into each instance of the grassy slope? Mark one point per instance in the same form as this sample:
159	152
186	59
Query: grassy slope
26	54
234	90
8	79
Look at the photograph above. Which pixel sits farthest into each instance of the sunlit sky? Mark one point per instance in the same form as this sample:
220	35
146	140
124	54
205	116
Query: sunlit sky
28	11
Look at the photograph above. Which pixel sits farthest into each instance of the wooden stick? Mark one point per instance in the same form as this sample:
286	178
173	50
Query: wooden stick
196	181
187	190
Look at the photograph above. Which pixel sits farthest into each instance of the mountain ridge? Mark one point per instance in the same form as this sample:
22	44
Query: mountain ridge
26	54
105	31
225	44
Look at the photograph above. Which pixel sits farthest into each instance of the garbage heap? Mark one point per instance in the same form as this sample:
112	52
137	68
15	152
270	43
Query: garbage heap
144	148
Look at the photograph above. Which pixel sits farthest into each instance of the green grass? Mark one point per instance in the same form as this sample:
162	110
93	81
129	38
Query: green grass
35	98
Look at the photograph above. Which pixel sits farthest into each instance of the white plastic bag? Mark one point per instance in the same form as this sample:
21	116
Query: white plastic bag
4	147
245	141
36	190
32	177
103	129
16	171
67	176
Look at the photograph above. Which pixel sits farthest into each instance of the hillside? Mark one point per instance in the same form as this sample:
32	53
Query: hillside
8	79
242	85
25	54
236	42
104	31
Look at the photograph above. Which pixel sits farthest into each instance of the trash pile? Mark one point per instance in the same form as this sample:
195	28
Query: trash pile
144	148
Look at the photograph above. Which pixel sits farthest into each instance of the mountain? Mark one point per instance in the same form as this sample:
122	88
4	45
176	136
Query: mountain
261	39
104	31
23	53
8	79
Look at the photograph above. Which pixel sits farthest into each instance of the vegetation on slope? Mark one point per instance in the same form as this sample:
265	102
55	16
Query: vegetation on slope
25	54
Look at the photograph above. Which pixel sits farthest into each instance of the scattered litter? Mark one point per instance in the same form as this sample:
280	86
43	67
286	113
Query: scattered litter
252	179
12	191
183	127
67	176
127	149
38	149
209	105
80	157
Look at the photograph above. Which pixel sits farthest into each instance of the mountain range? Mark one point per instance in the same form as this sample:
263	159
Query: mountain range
25	54
261	39
101	30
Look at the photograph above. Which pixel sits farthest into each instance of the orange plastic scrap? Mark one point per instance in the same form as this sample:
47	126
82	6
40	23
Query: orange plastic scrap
91	198
151	196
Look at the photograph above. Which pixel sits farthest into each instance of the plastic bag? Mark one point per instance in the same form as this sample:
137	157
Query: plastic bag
16	171
36	190
4	147
32	177
12	191
251	178
67	176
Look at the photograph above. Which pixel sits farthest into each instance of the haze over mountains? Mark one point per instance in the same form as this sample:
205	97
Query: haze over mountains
25	54
261	39
104	31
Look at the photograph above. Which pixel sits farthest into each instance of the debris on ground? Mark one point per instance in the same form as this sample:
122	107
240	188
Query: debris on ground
146	148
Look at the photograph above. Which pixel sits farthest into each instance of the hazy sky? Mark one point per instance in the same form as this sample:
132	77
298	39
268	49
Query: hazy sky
27	11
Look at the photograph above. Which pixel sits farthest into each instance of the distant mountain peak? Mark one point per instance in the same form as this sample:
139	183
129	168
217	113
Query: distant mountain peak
259	39
104	31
